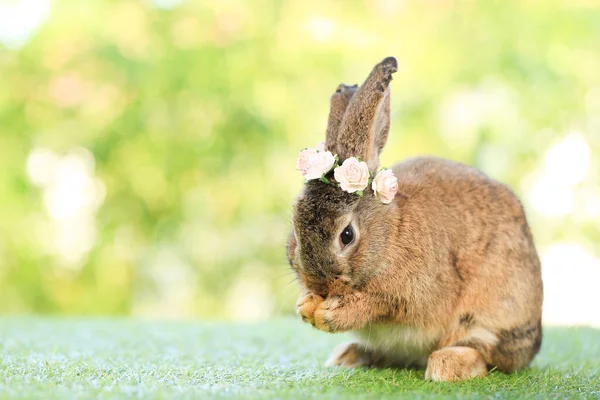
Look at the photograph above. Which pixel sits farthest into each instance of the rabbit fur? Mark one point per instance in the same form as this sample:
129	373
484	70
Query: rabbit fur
446	277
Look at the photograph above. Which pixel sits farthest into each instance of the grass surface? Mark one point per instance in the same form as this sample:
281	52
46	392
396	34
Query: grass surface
87	358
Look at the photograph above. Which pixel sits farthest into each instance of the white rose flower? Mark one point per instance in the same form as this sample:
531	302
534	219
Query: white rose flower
313	163
385	186
352	175
304	160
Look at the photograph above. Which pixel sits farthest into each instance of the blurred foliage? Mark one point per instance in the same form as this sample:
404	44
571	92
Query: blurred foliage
188	116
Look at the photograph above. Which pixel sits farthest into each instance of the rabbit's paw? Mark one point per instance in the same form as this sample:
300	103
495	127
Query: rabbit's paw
351	355
329	315
306	306
455	364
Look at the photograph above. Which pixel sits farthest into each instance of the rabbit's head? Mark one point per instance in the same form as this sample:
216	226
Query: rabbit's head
338	238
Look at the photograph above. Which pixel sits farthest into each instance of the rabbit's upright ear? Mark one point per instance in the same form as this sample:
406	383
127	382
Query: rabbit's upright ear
338	104
366	123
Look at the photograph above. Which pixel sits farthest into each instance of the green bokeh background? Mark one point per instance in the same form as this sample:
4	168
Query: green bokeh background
189	119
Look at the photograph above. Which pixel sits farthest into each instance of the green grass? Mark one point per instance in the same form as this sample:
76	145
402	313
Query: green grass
91	358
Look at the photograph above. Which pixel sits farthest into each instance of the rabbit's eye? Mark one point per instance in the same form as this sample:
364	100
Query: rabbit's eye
347	235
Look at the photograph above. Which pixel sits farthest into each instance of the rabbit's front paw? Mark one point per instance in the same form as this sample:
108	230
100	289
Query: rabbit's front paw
330	315
306	306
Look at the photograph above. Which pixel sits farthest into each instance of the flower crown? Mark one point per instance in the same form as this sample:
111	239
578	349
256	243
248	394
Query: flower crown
352	176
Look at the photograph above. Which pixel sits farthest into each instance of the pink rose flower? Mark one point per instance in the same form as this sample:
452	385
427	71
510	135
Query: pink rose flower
313	163
304	158
352	175
385	186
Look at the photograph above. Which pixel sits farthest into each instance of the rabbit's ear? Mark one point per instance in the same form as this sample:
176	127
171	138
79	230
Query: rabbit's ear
339	101
366	123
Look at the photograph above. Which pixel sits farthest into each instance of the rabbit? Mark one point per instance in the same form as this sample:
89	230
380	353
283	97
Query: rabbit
445	278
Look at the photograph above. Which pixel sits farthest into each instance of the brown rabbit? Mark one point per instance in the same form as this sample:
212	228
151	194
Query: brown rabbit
445	277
